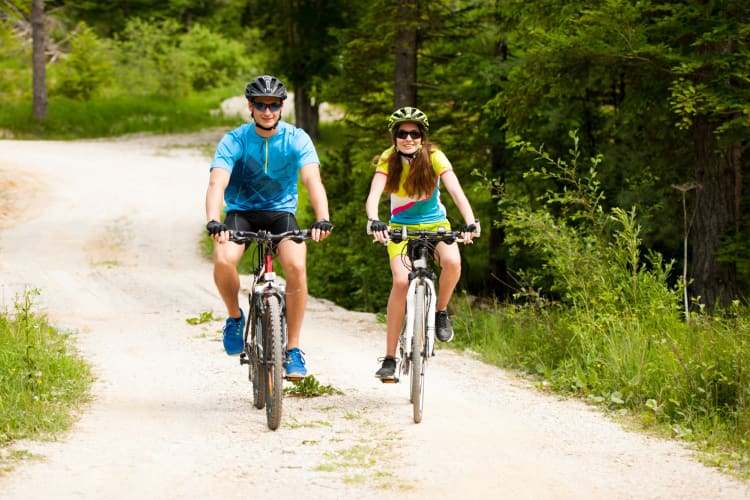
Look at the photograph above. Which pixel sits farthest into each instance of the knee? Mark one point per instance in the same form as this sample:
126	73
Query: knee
451	264
295	271
400	284
222	260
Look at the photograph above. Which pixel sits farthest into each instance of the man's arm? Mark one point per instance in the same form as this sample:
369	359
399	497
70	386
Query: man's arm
310	175
217	183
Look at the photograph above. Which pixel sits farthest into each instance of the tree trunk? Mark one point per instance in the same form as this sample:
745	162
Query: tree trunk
306	114
39	62
498	281
405	77
305	110
717	171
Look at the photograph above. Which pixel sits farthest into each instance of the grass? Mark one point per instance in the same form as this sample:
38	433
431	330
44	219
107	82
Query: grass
310	387
655	373
203	317
43	380
72	119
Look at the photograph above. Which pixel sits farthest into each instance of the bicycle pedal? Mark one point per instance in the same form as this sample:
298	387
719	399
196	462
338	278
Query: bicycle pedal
389	380
293	379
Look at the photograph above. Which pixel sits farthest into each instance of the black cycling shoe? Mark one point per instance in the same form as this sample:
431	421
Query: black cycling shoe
387	372
443	327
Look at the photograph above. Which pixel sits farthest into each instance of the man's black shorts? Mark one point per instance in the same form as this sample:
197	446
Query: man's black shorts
261	220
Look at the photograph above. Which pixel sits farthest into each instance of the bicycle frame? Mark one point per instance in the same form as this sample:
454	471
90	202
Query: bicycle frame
421	275
265	284
266	329
417	339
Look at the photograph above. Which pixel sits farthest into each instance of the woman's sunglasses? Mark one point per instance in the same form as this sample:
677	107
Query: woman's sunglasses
262	106
403	134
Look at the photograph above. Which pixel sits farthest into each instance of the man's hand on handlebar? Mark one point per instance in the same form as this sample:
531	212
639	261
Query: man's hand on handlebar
321	229
217	231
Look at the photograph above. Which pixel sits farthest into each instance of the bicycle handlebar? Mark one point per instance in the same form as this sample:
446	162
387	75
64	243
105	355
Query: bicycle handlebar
248	236
399	235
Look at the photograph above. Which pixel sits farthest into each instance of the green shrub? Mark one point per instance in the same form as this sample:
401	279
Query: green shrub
86	69
214	61
157	57
15	67
598	320
149	60
43	380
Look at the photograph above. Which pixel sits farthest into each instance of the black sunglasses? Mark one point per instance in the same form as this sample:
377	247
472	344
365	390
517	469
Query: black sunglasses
403	134
262	106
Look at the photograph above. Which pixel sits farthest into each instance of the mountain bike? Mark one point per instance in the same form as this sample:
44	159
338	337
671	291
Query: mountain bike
266	329
417	340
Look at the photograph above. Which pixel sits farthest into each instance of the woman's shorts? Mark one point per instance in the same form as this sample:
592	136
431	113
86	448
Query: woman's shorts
398	249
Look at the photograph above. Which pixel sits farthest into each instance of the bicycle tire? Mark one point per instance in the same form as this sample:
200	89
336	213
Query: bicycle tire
417	359
274	368
403	366
256	373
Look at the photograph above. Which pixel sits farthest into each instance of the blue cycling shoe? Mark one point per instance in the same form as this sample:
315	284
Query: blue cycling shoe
295	364
234	328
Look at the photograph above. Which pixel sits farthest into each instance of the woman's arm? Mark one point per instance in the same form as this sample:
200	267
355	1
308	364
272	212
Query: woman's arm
453	186
373	200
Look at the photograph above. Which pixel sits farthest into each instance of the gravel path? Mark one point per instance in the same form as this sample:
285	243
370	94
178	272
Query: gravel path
107	231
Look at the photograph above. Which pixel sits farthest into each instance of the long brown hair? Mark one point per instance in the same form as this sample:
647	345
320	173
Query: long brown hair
422	178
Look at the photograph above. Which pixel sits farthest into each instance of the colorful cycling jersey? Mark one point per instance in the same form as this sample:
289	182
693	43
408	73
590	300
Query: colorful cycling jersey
406	210
263	171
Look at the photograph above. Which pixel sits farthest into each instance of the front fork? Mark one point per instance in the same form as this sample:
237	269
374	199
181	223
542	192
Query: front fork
410	318
254	337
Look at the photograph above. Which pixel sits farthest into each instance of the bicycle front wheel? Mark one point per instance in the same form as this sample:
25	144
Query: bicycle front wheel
274	367
418	363
257	372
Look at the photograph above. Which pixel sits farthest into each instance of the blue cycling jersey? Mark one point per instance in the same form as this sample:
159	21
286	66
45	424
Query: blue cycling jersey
264	171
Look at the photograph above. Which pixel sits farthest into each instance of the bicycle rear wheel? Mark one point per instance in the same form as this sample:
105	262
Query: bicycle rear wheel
274	355
257	373
417	358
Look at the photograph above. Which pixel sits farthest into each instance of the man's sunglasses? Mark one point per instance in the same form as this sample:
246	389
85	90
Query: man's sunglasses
403	134
262	106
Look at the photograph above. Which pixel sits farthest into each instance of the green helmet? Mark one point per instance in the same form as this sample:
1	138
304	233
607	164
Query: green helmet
408	115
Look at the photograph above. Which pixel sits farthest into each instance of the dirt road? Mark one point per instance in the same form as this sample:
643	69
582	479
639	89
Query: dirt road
107	231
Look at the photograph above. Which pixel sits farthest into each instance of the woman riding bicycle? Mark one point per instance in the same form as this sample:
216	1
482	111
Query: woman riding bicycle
410	171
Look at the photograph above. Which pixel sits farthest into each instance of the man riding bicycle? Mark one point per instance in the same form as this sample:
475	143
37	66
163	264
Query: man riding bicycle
254	172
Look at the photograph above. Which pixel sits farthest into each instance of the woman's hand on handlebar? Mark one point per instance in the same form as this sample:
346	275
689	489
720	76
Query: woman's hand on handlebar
379	230
470	231
467	233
